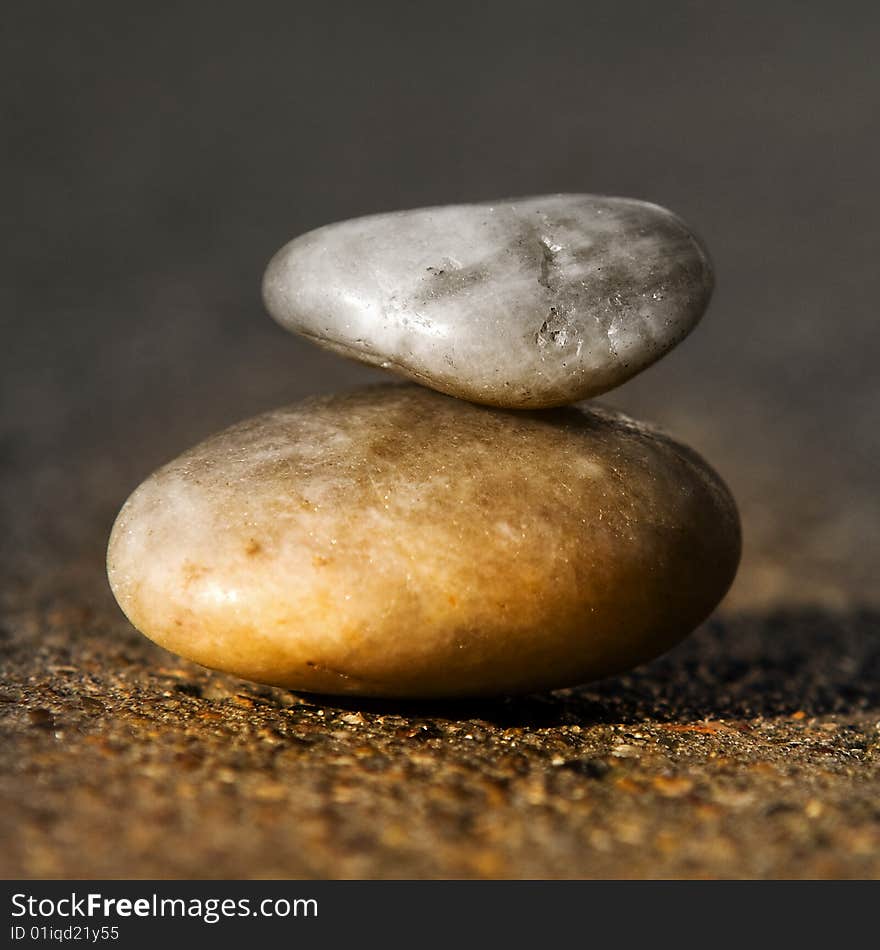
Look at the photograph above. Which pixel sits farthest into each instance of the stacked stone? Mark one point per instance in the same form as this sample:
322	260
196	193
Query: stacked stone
472	535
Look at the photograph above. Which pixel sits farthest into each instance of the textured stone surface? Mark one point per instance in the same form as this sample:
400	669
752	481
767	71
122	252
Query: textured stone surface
397	542
523	303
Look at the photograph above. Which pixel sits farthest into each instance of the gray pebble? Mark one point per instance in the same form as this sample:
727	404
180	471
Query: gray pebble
522	303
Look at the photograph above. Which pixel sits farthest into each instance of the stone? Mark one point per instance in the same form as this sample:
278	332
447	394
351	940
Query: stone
525	303
395	542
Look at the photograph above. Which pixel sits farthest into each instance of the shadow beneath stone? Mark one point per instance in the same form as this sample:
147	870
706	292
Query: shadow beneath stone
746	666
537	710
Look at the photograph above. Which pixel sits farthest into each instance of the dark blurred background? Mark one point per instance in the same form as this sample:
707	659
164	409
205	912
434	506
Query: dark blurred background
156	155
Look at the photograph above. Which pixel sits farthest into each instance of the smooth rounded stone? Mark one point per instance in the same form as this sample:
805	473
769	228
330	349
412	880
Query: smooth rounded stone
396	542
523	303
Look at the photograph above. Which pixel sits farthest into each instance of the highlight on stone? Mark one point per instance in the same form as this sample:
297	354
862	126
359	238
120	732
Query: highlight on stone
399	542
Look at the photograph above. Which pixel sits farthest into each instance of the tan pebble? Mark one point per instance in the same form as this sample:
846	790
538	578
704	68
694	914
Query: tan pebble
626	784
270	792
626	752
410	544
672	786
629	832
